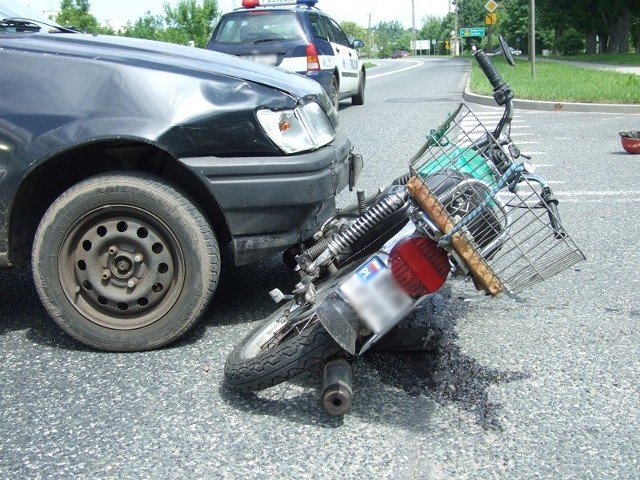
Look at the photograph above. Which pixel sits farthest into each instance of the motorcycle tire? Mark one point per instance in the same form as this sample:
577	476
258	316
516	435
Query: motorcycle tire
263	360
282	347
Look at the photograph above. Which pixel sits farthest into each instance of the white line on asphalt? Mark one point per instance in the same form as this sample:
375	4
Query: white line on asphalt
417	64
607	201
602	193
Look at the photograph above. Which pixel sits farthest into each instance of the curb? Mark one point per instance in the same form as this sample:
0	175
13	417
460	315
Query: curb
540	105
557	106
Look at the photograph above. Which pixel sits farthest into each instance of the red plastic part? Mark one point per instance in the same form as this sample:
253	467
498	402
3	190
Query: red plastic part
419	265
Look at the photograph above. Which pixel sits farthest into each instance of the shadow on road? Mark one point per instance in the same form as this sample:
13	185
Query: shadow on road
444	376
241	296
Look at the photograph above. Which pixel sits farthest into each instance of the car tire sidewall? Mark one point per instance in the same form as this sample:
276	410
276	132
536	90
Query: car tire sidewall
334	93
200	255
358	98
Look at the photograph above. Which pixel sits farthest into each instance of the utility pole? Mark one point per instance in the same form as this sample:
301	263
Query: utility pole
532	37
456	46
413	26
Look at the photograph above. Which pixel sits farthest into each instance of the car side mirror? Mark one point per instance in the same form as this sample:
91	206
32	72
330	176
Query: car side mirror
357	44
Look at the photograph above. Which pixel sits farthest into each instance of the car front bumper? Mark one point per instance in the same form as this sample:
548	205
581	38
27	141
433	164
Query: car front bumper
271	203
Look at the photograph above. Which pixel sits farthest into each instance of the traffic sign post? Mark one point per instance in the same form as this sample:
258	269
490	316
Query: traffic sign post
491	18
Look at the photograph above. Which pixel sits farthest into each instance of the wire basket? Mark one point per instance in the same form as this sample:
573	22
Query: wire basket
499	222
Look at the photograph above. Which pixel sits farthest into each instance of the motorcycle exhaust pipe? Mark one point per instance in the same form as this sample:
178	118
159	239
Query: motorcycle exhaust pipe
337	391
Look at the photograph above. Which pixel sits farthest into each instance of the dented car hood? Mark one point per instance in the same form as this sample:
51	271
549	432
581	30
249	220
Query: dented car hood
188	101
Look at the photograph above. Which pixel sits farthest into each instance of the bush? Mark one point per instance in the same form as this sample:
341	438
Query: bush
570	43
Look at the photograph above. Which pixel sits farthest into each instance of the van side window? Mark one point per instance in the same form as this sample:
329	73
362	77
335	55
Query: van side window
335	32
318	26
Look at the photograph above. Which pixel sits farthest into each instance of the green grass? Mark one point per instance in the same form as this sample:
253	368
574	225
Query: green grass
561	83
612	58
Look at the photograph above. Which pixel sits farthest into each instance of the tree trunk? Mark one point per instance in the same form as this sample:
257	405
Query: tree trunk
619	33
592	44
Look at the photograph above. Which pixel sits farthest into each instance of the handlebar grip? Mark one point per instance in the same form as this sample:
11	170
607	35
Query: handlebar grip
554	215
489	70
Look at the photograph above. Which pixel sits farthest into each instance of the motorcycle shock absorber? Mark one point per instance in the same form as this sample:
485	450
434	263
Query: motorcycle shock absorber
377	213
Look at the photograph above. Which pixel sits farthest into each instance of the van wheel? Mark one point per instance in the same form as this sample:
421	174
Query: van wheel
125	262
358	98
334	93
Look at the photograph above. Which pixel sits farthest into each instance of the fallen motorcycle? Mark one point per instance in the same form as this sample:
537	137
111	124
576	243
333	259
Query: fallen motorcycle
474	209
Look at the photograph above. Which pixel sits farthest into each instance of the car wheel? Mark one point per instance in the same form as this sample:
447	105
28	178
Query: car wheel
334	93
358	98
125	262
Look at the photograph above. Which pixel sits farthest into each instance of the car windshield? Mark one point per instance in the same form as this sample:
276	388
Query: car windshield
259	26
17	17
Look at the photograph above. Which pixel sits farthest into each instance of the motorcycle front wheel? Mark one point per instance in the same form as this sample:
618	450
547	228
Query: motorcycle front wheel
286	344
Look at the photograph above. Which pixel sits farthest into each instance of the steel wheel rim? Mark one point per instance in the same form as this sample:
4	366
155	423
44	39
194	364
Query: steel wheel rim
121	267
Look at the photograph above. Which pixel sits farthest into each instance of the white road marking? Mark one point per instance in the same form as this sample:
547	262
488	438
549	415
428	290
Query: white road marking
416	65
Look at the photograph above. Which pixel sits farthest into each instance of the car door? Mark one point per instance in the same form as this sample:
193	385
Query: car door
347	58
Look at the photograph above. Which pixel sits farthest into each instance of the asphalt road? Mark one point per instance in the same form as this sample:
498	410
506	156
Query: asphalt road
539	385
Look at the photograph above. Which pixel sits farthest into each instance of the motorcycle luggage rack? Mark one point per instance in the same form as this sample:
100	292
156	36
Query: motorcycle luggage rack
500	219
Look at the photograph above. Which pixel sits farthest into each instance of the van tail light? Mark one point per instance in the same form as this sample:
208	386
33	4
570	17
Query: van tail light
313	62
419	265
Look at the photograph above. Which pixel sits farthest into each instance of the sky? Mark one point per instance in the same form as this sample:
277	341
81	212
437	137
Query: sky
342	10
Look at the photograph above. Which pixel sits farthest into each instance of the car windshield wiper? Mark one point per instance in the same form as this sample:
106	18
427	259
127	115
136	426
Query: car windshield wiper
267	40
17	24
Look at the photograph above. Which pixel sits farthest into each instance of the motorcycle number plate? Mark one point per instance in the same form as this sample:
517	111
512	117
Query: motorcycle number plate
375	296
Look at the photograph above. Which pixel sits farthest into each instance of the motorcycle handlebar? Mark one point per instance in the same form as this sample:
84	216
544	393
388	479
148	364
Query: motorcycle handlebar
489	70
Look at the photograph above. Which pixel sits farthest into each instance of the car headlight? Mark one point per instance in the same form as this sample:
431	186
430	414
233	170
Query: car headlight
304	128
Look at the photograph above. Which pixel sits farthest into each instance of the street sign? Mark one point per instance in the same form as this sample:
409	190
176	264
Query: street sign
472	32
491	6
491	19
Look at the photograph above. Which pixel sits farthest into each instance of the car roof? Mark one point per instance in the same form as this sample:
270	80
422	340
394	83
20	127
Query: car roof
284	5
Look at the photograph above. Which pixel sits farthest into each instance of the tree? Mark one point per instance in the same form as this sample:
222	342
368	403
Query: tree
635	33
356	32
190	22
147	26
75	13
608	20
186	22
514	23
391	36
434	28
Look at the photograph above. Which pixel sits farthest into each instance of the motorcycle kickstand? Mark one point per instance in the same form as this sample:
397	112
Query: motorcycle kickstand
337	386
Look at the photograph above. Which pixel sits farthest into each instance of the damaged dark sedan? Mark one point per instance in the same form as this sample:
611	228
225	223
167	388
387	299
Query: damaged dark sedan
126	164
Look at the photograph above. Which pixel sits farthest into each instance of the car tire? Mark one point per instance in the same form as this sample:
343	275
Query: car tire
125	262
358	98
334	93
